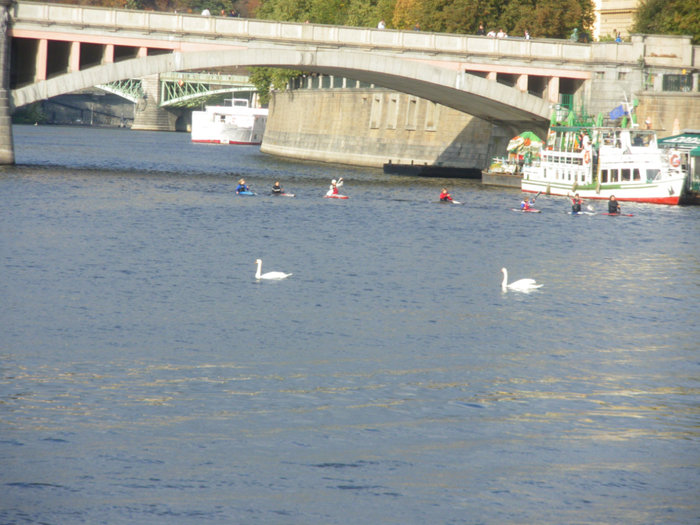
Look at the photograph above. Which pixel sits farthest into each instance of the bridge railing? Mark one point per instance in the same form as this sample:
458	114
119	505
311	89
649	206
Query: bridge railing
669	51
150	22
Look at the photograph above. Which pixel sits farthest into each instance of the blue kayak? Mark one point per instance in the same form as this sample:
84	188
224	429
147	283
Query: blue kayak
246	193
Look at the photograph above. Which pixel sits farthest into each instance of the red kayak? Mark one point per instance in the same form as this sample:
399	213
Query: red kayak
336	196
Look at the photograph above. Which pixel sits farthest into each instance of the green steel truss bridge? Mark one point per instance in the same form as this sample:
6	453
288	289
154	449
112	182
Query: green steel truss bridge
183	90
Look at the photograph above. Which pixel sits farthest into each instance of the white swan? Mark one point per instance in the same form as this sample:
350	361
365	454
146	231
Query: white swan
522	285
269	275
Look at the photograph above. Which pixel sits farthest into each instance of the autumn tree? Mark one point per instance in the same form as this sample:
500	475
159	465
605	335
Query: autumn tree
406	14
669	17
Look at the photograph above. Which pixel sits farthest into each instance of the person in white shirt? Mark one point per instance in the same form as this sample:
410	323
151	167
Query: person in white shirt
333	190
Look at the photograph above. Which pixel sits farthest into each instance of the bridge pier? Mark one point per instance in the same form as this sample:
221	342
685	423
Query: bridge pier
148	116
7	153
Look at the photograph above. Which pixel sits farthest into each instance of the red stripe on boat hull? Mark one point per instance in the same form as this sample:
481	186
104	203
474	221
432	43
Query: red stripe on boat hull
671	200
231	142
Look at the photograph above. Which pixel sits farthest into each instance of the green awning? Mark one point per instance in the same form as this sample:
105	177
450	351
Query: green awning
686	141
695	152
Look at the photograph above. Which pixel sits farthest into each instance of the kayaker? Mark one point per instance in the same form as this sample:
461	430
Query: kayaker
333	190
445	195
525	204
576	202
276	188
613	205
242	186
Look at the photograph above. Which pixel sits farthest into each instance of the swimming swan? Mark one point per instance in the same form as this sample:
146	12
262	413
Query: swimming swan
522	285
269	275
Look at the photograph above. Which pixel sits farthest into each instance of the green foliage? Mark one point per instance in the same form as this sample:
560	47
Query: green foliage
30	114
266	79
669	17
285	10
359	13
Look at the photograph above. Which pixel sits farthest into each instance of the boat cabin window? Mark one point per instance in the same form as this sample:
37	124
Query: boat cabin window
652	174
626	174
603	175
614	176
641	139
636	174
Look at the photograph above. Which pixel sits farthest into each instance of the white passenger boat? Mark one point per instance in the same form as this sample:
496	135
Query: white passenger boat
597	162
233	123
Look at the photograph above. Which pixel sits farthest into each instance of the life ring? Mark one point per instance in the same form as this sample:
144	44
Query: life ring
586	157
675	159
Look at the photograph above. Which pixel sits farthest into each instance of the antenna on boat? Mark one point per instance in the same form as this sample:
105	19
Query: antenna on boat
629	107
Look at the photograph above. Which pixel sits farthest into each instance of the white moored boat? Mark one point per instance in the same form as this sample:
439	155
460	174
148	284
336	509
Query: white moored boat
236	123
597	162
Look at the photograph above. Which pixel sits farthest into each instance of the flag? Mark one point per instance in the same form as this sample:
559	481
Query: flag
618	112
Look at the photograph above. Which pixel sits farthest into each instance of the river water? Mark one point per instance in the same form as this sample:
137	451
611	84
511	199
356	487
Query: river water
146	377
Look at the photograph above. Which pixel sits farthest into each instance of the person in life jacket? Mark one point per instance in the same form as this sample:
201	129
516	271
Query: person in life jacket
576	202
445	195
242	186
276	188
613	205
333	190
525	204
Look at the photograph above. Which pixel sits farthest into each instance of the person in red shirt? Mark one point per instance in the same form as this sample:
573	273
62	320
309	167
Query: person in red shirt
445	195
576	202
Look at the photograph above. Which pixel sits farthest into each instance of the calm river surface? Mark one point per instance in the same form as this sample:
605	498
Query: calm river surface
147	378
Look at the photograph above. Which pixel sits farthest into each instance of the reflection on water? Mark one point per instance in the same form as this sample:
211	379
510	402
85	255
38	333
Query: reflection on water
145	376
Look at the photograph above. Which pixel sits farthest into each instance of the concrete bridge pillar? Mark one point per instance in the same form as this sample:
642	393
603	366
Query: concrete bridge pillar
553	90
7	152
148	115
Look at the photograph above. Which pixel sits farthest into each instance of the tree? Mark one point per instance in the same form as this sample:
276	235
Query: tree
669	17
406	14
265	79
558	18
544	18
284	10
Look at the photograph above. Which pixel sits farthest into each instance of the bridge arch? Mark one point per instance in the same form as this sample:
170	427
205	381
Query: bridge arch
471	94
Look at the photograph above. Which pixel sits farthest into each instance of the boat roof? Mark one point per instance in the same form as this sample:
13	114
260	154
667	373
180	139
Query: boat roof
689	141
604	128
